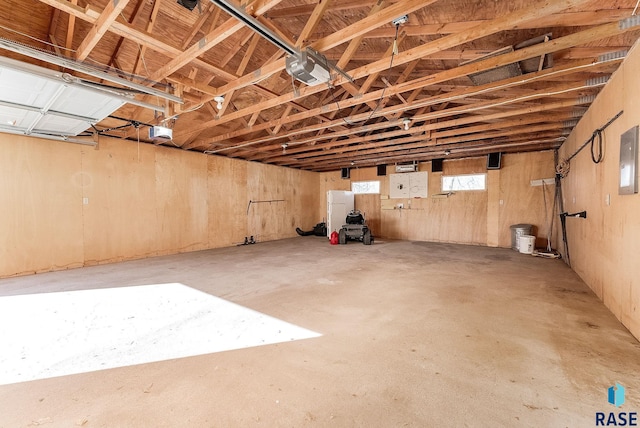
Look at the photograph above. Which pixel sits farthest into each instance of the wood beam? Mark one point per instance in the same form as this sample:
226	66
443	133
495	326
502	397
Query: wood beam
308	8
116	51
460	149
549	106
563	19
385	144
382	17
212	39
592	34
312	22
348	33
108	15
499	24
206	13
71	25
351	49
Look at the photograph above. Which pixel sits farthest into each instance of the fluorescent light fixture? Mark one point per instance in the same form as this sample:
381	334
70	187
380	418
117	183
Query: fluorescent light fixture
56	334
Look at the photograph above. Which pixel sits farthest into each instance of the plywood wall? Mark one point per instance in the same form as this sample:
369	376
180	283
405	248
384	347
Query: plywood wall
66	205
604	247
120	206
518	201
476	217
39	233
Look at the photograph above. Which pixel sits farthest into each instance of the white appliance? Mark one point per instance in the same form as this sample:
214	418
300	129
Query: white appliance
339	204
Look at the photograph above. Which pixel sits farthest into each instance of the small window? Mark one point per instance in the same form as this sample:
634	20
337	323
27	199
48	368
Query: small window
455	183
365	187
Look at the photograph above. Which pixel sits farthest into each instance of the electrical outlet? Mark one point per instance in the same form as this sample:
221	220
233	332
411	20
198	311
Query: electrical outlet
85	201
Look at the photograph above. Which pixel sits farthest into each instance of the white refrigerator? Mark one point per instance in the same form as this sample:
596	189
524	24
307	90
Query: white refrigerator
339	204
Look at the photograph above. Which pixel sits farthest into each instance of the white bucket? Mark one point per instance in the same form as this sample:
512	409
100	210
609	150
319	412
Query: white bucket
526	244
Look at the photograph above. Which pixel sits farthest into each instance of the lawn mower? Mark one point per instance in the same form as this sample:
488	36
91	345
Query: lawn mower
355	229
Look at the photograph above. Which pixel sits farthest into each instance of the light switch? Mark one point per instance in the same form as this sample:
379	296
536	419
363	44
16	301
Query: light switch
85	201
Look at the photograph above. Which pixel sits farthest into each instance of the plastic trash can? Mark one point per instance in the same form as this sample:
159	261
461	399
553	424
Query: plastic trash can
518	230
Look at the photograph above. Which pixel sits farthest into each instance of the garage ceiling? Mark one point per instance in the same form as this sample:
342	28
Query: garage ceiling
468	78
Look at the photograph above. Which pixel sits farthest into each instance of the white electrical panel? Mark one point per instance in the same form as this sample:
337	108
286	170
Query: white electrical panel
629	162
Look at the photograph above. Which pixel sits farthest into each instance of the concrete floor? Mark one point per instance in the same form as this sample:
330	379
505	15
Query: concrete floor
413	334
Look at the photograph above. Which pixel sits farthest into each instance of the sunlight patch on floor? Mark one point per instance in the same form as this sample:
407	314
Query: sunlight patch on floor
57	334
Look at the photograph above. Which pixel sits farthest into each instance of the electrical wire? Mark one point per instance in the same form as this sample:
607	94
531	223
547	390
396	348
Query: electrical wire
53	45
546	215
563	168
492	89
597	153
138	135
596	157
394	52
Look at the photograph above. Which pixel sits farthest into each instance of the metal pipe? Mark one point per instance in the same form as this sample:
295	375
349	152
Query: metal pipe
255	25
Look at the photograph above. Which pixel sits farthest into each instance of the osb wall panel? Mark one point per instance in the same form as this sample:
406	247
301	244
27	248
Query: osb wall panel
120	219
141	200
39	233
604	247
521	202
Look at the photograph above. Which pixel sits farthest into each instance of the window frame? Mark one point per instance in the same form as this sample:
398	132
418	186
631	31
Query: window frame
483	174
365	193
